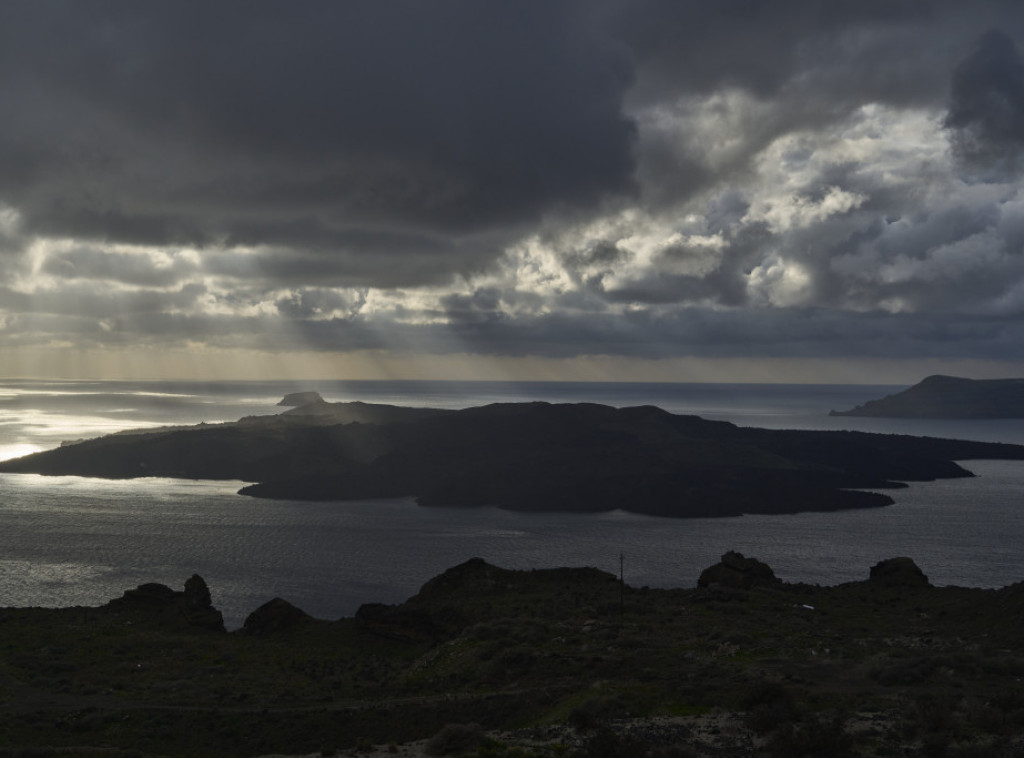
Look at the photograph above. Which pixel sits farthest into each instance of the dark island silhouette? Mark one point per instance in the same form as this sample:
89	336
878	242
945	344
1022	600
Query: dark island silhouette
948	397
527	456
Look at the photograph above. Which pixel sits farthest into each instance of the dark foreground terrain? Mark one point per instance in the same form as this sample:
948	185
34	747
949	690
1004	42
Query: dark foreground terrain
526	456
564	662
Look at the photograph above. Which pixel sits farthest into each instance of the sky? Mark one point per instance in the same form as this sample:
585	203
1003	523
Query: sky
648	190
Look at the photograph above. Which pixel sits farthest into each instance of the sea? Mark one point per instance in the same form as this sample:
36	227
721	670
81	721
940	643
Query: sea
68	541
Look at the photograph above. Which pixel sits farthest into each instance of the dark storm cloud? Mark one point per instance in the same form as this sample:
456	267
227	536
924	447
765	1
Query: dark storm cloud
757	45
127	268
82	301
190	122
195	122
911	238
287	124
861	50
639	177
795	333
482	305
304	252
809	64
986	113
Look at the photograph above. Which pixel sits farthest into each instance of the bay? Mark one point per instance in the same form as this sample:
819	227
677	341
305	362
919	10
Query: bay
79	541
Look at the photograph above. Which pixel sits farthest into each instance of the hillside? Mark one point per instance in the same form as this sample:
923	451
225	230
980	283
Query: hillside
949	397
560	662
529	457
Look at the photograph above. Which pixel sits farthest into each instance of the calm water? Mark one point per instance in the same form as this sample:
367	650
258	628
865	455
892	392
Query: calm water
67	541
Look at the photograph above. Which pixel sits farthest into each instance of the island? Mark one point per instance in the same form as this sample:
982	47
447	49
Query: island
948	397
567	662
532	456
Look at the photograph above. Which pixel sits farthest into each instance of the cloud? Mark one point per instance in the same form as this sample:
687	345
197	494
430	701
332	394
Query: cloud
643	178
140	268
304	126
986	112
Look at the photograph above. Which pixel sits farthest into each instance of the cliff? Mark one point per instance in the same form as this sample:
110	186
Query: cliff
528	456
949	397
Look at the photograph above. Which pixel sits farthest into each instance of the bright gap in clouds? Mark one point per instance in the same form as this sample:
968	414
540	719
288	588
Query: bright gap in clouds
17	450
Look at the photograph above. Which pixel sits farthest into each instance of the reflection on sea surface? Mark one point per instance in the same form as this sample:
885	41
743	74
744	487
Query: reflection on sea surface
95	538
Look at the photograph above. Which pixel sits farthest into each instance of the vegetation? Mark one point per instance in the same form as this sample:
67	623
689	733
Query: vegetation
490	662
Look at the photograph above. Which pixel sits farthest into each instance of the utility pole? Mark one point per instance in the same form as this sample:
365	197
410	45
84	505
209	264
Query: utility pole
622	584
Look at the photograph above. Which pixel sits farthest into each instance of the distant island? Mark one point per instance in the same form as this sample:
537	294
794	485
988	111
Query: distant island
526	456
949	397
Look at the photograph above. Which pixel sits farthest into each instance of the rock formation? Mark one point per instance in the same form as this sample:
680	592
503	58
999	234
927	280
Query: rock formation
192	607
272	617
898	572
738	572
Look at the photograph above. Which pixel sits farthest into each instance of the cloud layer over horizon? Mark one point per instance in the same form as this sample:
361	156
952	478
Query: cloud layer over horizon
634	178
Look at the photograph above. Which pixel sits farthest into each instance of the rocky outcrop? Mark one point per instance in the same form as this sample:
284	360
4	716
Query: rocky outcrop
735	571
466	594
949	397
192	607
898	572
146	595
273	617
197	607
298	399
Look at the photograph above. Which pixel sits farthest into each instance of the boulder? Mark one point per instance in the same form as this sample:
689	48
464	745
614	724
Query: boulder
474	575
275	615
149	594
898	572
738	572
